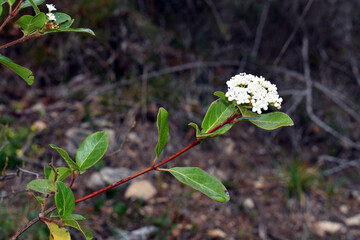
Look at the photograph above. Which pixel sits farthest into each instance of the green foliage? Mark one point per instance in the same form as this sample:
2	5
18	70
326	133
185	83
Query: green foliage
217	113
299	178
201	181
42	185
62	173
24	73
163	130
72	223
64	199
30	24
66	157
267	121
91	150
29	3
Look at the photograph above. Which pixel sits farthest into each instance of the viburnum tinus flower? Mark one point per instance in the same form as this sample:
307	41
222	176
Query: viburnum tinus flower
51	17
253	91
51	7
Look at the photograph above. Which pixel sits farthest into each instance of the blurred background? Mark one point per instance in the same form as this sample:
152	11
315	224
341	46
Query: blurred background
299	182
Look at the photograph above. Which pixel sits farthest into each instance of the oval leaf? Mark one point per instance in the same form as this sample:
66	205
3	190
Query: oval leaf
41	185
57	233
66	157
163	130
64	199
61	17
201	181
218	112
62	173
27	3
79	30
218	132
72	223
91	150
271	121
24	73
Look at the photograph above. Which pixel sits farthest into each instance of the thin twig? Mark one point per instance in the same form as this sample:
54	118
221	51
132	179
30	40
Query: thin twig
219	22
292	35
4	145
309	108
343	164
12	13
21	40
260	28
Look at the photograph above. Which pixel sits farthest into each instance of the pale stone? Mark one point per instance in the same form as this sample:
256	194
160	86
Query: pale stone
353	221
344	209
216	233
321	228
249	204
140	189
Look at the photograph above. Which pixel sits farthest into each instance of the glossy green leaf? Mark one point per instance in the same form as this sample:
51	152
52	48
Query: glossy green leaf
273	120
11	2
217	113
72	223
30	24
201	181
247	113
220	131
222	96
66	157
91	150
1	9
66	25
79	30
69	217
27	3
41	185
57	232
62	174
64	199
35	7
267	121
61	17
163	130
24	73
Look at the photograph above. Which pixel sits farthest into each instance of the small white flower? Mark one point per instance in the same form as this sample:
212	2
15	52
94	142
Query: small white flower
51	16
252	90
51	7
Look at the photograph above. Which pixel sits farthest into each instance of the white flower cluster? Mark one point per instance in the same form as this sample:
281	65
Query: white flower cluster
254	91
50	15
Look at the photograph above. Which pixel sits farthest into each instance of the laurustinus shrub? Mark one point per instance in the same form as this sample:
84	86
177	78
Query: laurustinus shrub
246	98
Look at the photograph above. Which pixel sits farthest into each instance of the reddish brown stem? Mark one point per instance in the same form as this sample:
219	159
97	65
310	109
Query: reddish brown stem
74	175
153	167
11	15
20	40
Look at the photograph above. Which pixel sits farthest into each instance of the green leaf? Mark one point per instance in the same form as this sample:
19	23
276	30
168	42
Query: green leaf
1	9
24	73
30	24
64	199
247	113
79	30
66	157
72	223
66	25
220	131
201	181
91	150
62	173
273	120
222	96
11	2
27	3
41	185
61	17
69	217
35	7
217	113
56	232
163	130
